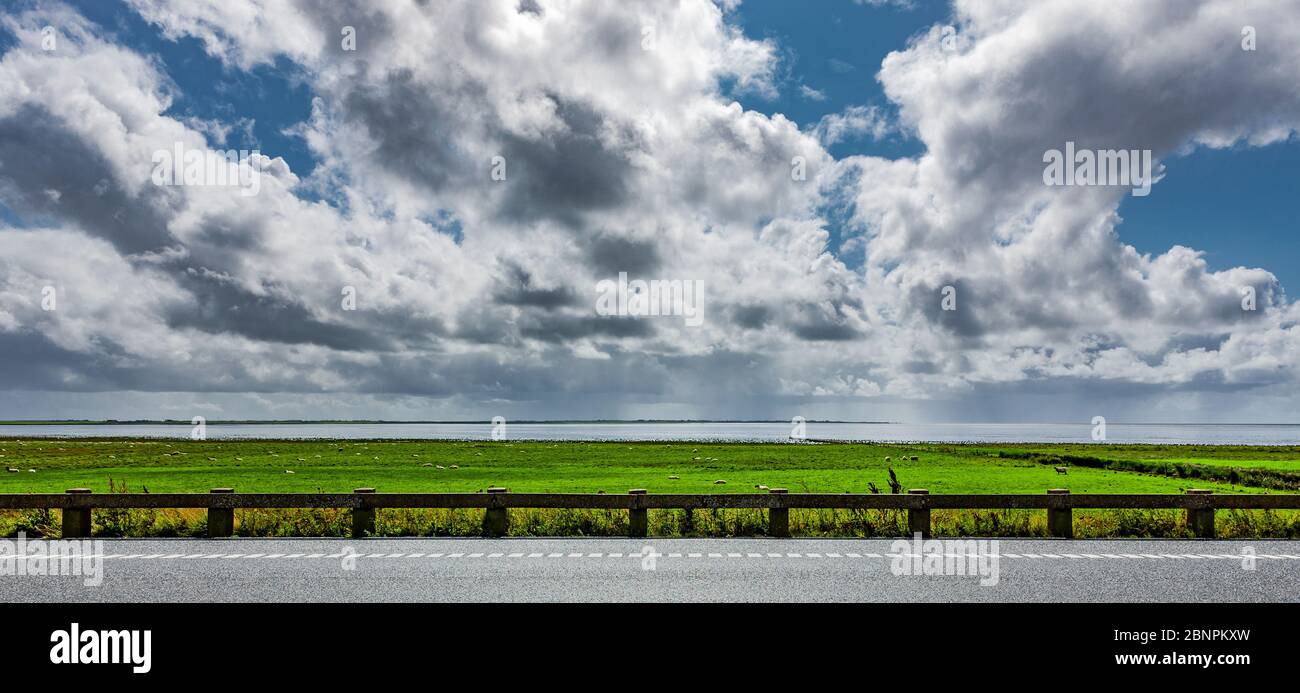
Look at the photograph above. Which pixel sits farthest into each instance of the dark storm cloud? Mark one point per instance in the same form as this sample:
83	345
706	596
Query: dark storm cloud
922	367
34	362
826	332
751	317
558	175
485	375
484	327
221	307
373	28
517	290
610	254
816	323
562	328
969	318
45	170
565	173
414	129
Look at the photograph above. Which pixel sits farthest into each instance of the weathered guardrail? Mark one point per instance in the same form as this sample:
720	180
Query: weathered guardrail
76	505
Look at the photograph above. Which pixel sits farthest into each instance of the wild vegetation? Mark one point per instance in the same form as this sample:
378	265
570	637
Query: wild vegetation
121	465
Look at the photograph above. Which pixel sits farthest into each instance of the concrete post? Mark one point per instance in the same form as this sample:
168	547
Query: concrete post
1060	518
221	521
363	517
778	519
918	520
638	520
496	521
1201	520
76	521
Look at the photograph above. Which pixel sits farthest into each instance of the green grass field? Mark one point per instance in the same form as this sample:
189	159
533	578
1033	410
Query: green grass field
465	466
105	465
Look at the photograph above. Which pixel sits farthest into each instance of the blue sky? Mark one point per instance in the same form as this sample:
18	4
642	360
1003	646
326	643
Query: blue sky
835	50
473	294
1241	206
1238	205
275	98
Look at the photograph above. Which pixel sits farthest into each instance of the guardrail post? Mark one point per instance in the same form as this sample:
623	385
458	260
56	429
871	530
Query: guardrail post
76	521
778	519
1201	520
918	519
363	517
1060	518
221	521
496	523
638	520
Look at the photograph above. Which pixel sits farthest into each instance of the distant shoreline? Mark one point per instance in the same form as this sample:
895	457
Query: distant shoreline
610	422
304	422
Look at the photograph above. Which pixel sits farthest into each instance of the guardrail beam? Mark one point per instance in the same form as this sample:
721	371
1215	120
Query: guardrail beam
76	505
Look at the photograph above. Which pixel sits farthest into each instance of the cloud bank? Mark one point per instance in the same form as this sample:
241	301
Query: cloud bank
483	165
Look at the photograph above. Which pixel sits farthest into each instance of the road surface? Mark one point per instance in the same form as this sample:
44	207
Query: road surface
664	570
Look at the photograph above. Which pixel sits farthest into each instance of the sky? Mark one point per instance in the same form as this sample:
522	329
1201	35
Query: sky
436	195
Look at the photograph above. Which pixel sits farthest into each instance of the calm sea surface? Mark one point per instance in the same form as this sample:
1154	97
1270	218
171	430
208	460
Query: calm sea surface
1227	434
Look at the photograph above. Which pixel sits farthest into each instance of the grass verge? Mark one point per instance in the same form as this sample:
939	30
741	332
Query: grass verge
113	465
827	523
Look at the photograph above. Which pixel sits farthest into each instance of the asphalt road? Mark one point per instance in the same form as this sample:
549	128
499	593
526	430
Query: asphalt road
662	570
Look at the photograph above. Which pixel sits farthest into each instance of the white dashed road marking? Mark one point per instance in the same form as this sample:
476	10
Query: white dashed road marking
645	553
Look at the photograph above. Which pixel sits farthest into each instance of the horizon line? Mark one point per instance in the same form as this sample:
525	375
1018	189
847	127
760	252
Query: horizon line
257	422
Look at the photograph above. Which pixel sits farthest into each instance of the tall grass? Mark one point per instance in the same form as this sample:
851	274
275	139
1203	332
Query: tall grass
825	523
529	522
147	522
1277	479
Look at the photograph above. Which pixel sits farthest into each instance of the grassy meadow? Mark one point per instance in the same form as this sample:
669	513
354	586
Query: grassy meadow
156	466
